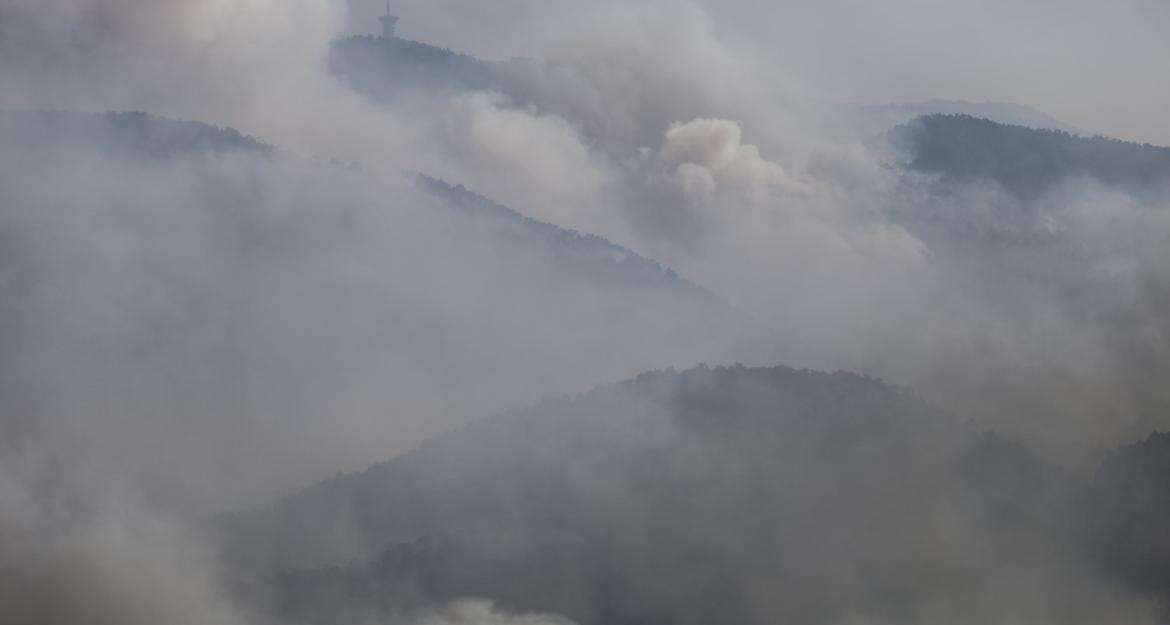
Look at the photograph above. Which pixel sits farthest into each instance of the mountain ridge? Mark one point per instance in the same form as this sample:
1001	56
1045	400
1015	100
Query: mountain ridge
1009	113
1028	162
591	507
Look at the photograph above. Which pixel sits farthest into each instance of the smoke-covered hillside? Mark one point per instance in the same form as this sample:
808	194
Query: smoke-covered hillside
712	495
192	230
406	234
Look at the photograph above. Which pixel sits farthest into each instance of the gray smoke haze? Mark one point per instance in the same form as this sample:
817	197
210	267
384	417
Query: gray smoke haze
208	331
1044	52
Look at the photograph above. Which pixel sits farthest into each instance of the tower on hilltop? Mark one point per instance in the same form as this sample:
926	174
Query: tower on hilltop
389	23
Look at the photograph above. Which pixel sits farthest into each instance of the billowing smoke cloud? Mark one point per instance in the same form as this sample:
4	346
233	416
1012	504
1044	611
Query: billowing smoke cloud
812	230
705	155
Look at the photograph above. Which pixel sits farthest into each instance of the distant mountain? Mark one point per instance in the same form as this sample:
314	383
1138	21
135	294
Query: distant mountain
990	186
134	133
882	117
1028	162
713	495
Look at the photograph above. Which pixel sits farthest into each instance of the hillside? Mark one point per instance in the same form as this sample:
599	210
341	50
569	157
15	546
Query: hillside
387	68
137	133
143	136
712	495
615	312
1029	162
312	281
882	117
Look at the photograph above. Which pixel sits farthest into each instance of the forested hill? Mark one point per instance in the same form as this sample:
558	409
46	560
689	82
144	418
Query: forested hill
733	494
1029	162
134	133
713	495
385	68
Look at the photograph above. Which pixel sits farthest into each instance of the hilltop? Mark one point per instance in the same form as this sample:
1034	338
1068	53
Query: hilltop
675	497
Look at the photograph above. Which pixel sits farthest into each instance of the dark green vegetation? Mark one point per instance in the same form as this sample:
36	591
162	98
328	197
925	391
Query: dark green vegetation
713	495
388	68
135	133
886	116
1029	162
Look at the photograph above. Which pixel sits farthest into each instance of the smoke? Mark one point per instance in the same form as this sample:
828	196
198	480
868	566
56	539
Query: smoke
78	547
710	153
207	331
478	612
811	230
223	62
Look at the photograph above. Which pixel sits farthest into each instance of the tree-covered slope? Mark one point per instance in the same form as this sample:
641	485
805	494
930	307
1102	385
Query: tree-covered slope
712	495
135	133
1028	162
882	117
387	68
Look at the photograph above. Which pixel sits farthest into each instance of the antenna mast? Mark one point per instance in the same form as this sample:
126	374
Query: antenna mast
389	23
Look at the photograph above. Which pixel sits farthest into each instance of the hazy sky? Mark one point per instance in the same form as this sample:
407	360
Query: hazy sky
1099	66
